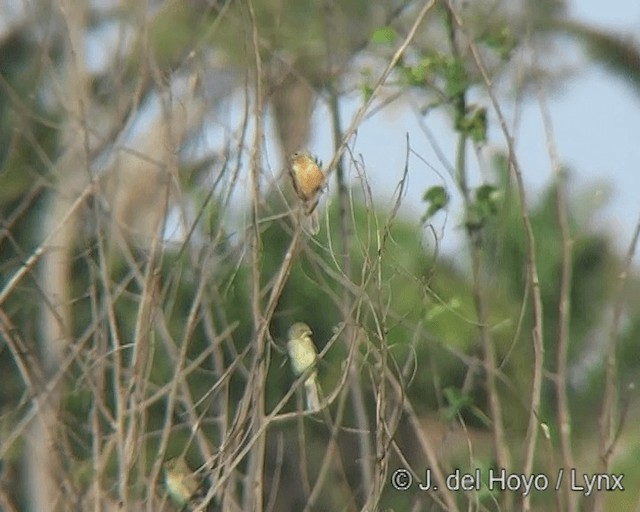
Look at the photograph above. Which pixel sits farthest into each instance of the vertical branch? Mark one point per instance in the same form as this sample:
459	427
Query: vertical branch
118	391
608	428
532	272
254	481
564	306
480	298
97	376
388	412
42	467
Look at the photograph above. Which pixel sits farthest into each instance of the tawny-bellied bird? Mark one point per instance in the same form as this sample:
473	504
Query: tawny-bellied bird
307	179
302	353
181	483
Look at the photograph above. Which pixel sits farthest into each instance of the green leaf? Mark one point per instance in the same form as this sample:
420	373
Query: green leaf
437	199
502	41
474	124
457	401
489	196
417	74
455	77
366	90
384	35
484	207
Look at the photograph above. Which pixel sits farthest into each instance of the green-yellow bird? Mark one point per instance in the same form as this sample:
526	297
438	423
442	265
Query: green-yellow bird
303	355
182	484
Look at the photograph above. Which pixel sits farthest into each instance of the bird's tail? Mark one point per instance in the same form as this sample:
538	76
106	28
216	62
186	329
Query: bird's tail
313	396
312	223
311	219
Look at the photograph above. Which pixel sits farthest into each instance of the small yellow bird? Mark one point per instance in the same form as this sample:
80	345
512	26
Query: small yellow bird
182	484
307	179
303	355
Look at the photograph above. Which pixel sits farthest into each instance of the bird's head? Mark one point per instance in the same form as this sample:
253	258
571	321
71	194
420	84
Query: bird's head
299	330
303	157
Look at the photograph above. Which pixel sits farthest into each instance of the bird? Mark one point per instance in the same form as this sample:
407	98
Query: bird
307	179
182	484
303	355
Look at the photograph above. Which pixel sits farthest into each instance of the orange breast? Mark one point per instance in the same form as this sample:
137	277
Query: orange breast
307	176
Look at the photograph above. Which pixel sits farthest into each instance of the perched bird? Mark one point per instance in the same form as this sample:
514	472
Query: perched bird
307	179
181	483
302	353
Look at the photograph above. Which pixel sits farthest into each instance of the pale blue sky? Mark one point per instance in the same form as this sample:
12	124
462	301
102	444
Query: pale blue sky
596	123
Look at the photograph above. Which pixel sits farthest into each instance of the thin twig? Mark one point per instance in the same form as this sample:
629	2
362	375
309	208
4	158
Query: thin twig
254	481
45	246
532	269
359	115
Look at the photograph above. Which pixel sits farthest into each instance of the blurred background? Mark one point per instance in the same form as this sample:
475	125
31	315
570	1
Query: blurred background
473	290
